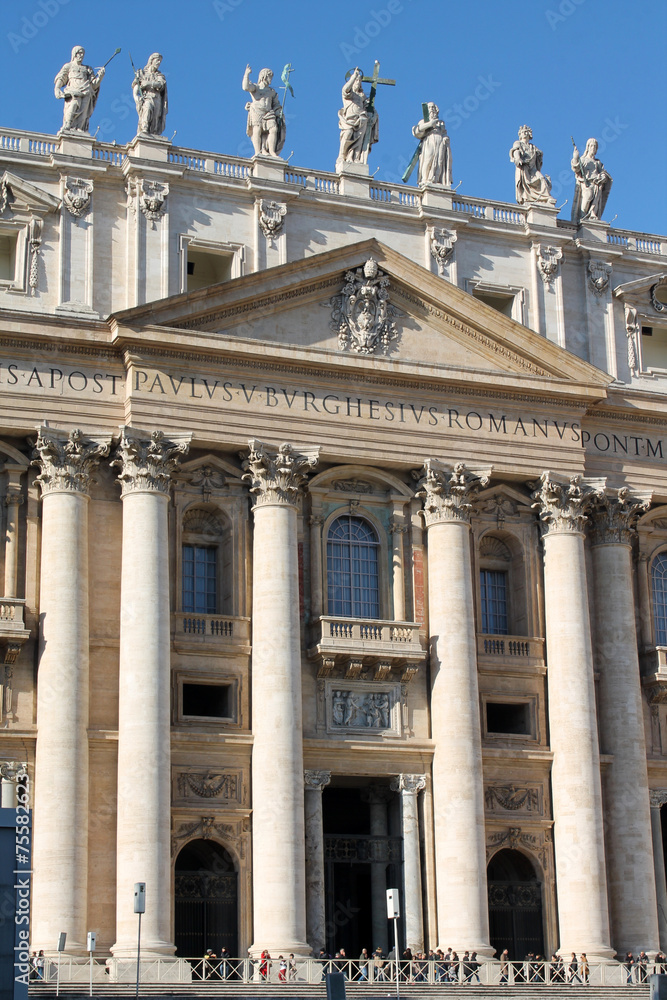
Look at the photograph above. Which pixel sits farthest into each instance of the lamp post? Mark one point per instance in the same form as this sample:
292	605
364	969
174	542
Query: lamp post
139	907
393	913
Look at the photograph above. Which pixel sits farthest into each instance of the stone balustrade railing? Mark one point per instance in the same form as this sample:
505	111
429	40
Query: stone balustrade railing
369	635
193	628
11	615
238	168
514	646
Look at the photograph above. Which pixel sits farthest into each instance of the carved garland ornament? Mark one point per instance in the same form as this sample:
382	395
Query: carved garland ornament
632	332
362	315
209	785
513	798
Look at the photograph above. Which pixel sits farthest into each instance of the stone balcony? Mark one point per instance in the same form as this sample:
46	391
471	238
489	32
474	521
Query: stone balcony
194	633
524	653
13	632
653	666
354	647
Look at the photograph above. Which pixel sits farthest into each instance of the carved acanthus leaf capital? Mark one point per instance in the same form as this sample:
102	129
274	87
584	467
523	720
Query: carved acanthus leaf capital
67	461
411	783
448	493
276	478
316	780
658	797
13	770
147	461
562	504
614	515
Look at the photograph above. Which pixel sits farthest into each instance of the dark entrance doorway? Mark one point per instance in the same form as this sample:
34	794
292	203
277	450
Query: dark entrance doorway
206	895
515	905
353	857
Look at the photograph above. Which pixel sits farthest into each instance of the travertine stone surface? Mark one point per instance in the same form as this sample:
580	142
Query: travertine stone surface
144	790
575	777
633	906
409	786
463	919
657	800
66	464
279	890
315	782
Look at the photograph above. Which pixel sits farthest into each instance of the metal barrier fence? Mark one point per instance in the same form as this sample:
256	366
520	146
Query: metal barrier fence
312	971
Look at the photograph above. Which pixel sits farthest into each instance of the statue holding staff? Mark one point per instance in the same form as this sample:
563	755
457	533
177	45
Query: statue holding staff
592	184
434	150
79	87
266	121
149	89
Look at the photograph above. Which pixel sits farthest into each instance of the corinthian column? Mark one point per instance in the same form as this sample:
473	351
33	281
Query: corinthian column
658	798
409	785
315	782
575	773
631	875
279	891
143	824
378	796
60	894
458	795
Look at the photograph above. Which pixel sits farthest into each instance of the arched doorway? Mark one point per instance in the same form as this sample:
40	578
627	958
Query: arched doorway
515	905
206	897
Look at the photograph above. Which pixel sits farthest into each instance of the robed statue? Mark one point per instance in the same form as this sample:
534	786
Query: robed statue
592	184
358	122
79	87
149	89
531	184
435	154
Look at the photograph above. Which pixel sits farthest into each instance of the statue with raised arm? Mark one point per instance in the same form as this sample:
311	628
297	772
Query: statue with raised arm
435	156
78	86
149	89
531	185
266	122
592	184
358	122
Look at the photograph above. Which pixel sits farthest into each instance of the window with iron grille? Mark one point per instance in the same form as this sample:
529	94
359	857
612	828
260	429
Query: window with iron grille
200	592
493	588
352	568
659	574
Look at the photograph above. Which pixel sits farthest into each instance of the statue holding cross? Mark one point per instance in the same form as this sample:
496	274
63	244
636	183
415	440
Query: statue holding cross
357	119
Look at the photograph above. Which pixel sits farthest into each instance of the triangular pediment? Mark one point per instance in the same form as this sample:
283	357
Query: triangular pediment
293	307
648	295
26	196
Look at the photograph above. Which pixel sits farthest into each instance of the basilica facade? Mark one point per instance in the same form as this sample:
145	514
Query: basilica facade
335	549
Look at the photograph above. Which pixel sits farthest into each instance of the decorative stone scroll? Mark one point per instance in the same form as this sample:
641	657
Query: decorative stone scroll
277	478
442	248
362	314
316	780
614	515
352	486
411	783
152	196
513	798
146	463
655	301
271	217
599	273
447	493
77	194
223	785
67	461
562	505
548	259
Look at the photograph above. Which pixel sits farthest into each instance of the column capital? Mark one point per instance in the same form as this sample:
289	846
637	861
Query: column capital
411	783
11	770
67	460
447	492
562	504
658	797
276	476
316	780
146	460
614	515
14	498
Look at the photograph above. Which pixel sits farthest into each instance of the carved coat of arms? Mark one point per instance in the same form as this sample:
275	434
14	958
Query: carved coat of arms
362	315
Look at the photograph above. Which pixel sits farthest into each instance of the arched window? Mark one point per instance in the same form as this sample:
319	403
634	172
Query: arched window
352	568
659	574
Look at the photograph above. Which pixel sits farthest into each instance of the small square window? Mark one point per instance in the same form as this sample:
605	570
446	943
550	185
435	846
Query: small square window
207	268
207	701
508	718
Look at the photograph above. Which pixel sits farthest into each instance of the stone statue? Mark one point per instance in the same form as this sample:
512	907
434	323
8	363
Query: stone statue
435	157
592	184
78	86
149	89
266	122
531	185
358	122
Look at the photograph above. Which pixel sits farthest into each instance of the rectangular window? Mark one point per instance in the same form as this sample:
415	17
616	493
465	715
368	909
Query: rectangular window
204	269
7	256
493	589
200	592
207	701
508	719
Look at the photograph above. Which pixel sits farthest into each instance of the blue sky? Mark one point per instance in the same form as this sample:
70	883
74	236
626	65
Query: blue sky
565	67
